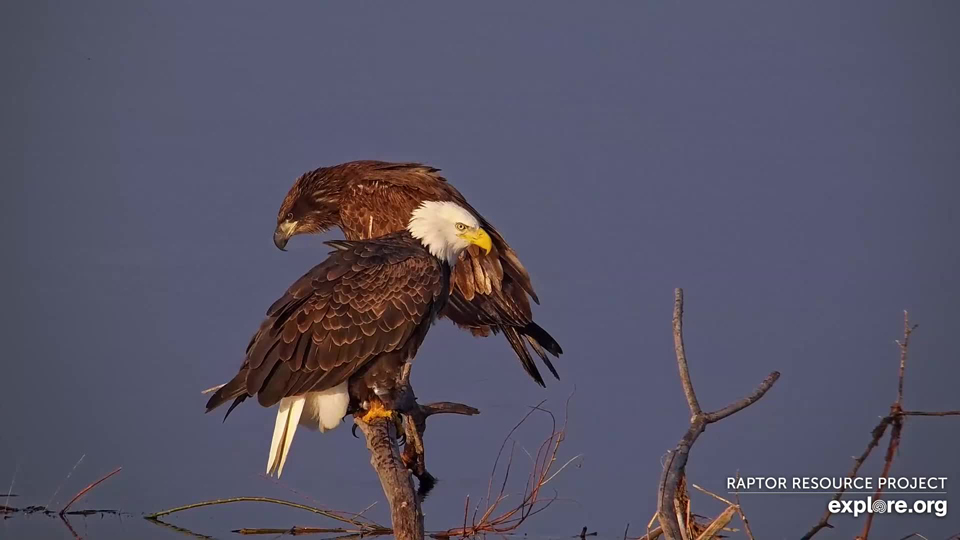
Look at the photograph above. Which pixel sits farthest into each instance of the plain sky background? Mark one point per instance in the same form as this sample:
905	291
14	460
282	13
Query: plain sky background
793	167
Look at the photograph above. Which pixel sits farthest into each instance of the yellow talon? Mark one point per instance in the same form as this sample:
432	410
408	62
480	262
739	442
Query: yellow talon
375	411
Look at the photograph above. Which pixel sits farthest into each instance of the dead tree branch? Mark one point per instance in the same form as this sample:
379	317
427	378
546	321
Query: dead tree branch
674	473
894	419
405	512
393	468
897	422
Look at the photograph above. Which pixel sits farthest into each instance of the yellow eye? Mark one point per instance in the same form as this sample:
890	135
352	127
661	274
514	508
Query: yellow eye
461	227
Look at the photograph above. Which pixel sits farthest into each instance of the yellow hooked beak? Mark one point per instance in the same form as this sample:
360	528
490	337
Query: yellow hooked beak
479	238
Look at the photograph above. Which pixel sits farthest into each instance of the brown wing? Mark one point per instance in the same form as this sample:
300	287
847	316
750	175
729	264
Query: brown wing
366	299
490	293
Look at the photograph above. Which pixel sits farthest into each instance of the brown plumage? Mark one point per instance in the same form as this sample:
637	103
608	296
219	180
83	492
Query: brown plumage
490	293
369	303
339	339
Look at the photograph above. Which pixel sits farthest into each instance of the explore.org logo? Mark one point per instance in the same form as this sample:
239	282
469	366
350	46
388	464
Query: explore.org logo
917	487
880	506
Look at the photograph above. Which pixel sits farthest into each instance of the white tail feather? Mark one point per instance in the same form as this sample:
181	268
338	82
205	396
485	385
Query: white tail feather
287	418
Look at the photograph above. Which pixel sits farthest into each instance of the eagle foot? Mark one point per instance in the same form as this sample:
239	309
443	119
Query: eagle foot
377	410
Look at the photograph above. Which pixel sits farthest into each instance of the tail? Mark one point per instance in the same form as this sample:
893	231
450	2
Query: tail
287	419
236	390
540	341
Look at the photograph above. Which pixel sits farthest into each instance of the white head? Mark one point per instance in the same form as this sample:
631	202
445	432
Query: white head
446	229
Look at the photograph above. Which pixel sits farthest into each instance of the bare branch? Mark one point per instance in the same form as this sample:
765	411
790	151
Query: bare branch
904	345
405	512
926	413
888	463
738	406
896	419
332	514
877	434
87	489
743	517
448	407
674	473
682	354
294	531
494	521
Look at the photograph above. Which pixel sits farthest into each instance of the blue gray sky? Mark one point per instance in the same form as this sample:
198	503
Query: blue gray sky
792	167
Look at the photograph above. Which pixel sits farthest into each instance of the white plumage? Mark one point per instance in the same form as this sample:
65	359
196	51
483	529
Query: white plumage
434	223
314	410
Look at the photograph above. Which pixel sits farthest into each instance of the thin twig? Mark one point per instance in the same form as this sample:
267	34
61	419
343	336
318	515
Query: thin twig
13	480
712	494
69	527
877	434
531	502
323	512
895	418
743	517
907	330
87	489
897	422
182	530
929	413
69	474
313	530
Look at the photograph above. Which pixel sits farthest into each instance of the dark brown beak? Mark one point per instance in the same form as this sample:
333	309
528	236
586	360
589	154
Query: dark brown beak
280	239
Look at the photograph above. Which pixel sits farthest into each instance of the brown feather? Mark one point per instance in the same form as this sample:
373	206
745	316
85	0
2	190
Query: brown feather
366	300
368	199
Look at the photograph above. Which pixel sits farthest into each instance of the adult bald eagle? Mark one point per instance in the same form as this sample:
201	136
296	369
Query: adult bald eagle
339	337
366	199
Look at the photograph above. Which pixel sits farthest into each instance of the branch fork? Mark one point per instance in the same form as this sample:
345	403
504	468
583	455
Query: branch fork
670	509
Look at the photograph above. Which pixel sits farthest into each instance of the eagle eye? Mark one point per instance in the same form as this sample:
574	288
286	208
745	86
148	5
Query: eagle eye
461	227
289	216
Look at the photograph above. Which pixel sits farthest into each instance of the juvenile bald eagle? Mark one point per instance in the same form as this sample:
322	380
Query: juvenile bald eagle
366	199
339	337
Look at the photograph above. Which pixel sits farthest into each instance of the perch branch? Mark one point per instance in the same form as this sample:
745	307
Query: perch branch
405	512
674	469
394	468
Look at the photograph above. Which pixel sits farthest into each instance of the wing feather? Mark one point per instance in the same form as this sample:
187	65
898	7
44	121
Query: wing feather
366	299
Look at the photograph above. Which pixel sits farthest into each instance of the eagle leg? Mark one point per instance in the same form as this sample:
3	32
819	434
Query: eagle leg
414	453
